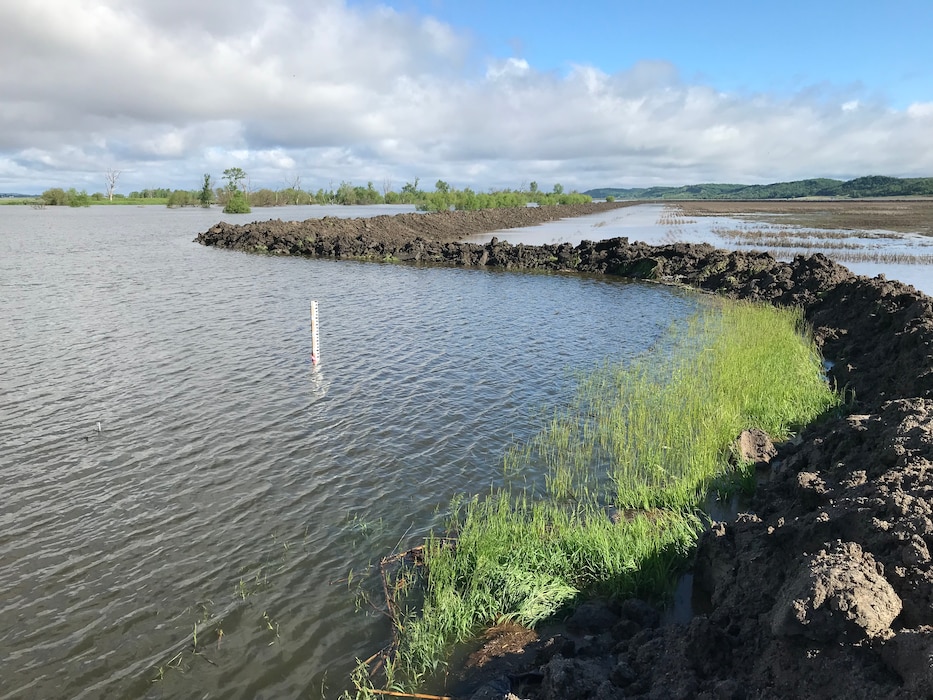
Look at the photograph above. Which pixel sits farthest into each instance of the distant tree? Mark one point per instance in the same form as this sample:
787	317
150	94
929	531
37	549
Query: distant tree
367	195
112	176
533	187
409	193
293	193
154	193
237	203
442	187
181	198
55	197
610	198
234	176
263	198
77	199
346	194
207	195
558	188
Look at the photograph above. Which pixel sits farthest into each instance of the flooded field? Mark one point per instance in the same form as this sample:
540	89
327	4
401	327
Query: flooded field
875	238
177	476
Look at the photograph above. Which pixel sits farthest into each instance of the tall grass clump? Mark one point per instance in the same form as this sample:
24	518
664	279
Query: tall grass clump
656	433
645	442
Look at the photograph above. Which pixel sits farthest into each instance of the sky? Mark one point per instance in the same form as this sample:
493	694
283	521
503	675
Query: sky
481	94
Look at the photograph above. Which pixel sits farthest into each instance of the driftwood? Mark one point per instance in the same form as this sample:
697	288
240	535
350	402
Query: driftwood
424	696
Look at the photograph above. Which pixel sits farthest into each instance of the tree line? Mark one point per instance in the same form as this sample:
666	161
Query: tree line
236	195
870	186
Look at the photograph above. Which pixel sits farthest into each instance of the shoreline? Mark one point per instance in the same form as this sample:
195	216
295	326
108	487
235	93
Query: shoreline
823	589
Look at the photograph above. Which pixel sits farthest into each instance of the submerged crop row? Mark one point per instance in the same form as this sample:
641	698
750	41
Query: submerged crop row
644	443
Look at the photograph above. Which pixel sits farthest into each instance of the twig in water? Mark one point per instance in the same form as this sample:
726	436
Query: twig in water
422	696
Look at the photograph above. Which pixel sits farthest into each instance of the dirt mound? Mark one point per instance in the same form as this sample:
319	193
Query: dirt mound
825	587
381	237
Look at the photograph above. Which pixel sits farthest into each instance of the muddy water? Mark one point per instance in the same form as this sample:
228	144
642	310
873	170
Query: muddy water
172	466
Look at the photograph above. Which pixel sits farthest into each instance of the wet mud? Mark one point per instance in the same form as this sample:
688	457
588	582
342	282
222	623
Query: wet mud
824	587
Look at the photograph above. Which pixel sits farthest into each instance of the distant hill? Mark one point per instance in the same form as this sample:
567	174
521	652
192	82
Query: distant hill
12	195
871	186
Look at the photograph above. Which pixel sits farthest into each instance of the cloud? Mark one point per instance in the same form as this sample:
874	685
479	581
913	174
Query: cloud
168	90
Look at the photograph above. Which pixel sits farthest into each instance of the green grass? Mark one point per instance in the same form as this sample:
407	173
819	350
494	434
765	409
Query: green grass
659	429
652	438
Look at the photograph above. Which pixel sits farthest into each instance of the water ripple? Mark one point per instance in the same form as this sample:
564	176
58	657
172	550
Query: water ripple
232	484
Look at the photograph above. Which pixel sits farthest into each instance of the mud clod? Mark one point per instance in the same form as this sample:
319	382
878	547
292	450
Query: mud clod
840	592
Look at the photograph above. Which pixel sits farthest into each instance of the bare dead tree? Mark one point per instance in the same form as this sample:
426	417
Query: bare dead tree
112	177
386	187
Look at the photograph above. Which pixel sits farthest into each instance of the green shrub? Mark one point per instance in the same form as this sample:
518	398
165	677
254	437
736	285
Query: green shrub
181	198
237	204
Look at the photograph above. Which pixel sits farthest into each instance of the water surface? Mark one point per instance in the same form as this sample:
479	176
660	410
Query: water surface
657	224
232	485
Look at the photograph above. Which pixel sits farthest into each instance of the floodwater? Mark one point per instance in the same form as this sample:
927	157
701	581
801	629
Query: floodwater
174	471
655	225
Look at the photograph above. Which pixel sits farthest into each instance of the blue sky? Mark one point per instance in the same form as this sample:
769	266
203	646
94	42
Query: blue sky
881	50
479	94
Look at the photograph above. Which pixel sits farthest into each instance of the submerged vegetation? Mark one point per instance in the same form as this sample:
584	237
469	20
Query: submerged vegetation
842	246
606	499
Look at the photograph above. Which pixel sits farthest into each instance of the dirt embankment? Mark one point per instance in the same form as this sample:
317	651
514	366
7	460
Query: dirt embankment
385	237
825	587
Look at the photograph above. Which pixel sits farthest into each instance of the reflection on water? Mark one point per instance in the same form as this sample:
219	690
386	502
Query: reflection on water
234	486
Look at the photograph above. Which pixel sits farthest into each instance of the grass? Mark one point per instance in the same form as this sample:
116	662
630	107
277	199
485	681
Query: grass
801	238
859	256
651	439
842	247
237	617
654	433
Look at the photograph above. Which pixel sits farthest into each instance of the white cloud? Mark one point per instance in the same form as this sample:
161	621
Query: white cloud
920	110
168	90
509	68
